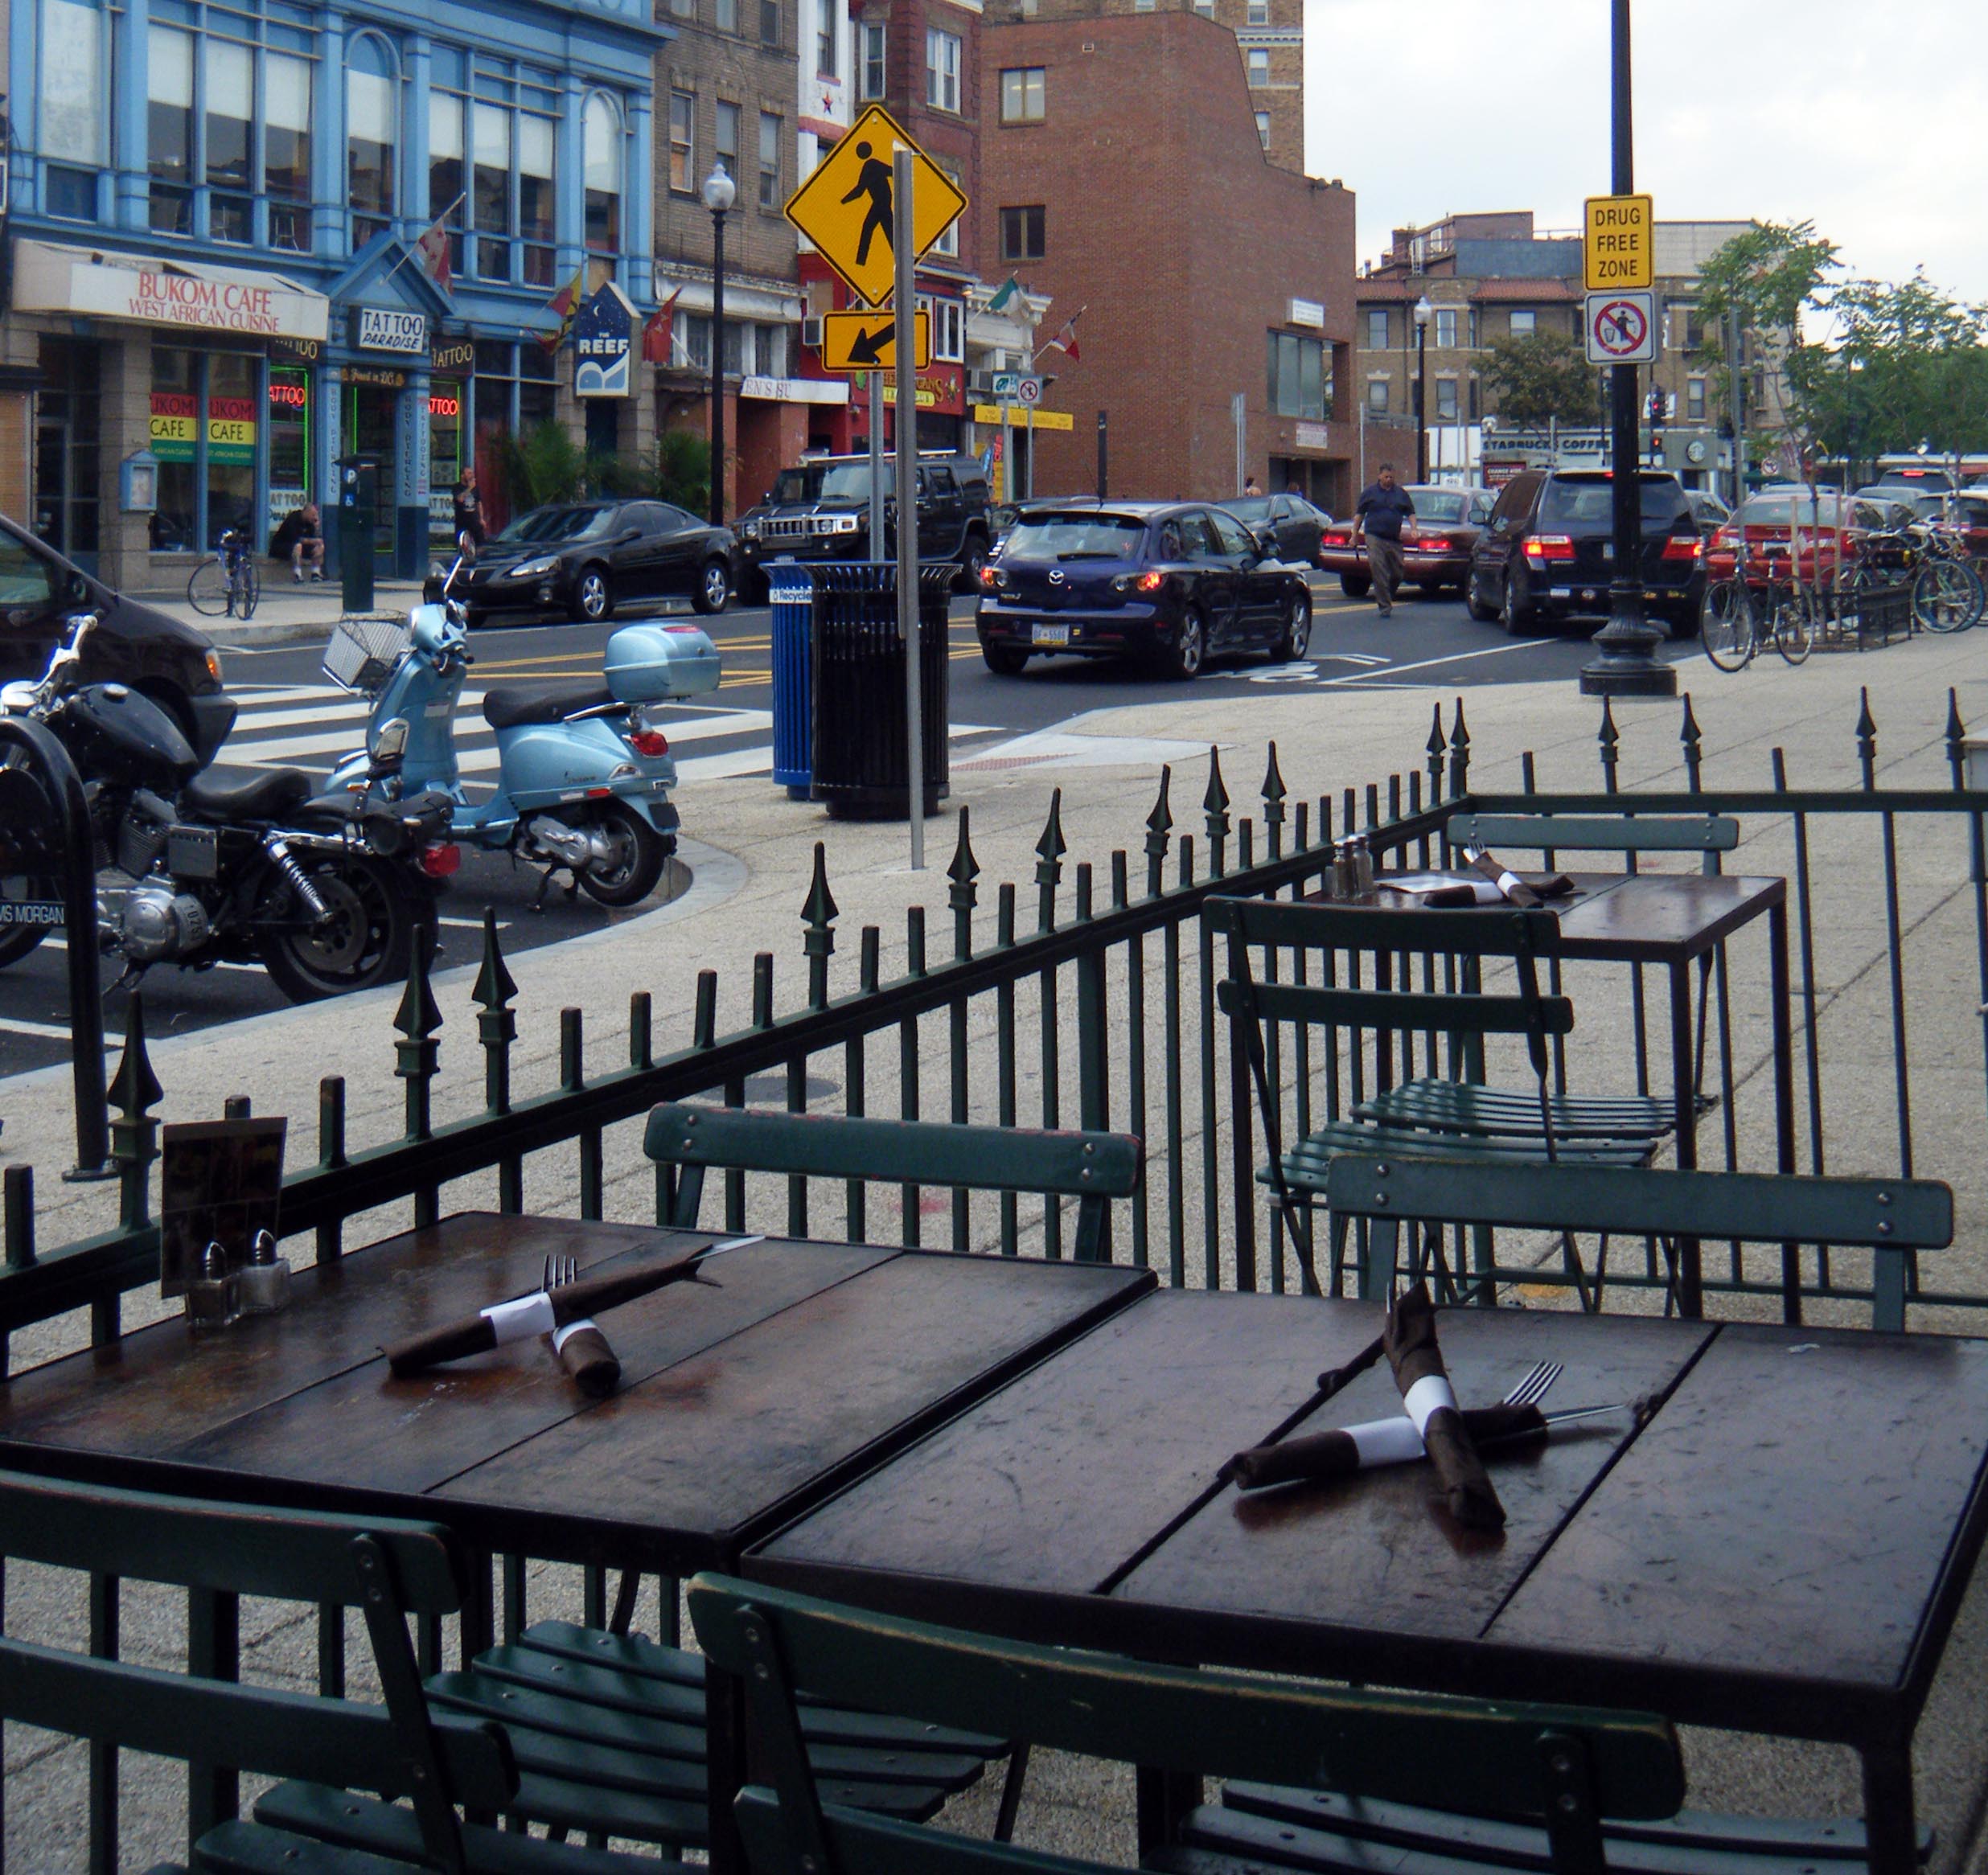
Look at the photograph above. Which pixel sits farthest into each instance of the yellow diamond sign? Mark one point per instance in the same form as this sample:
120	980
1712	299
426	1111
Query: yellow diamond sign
847	208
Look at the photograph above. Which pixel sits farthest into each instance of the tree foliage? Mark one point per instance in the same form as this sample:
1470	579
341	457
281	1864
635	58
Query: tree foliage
1541	377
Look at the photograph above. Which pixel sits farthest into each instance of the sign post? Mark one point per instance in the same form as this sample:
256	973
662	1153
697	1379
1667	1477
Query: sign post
1620	257
906	166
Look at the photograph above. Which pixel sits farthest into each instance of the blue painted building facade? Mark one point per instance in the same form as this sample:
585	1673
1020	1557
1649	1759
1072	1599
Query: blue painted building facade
215	214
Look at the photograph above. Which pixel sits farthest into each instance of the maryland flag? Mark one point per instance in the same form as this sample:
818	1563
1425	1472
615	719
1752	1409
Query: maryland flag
564	305
659	332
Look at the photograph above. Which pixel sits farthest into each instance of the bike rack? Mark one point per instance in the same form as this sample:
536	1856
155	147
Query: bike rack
64	789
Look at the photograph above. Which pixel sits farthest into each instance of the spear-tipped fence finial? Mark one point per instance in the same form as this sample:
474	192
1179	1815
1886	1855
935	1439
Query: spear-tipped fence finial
1274	804
1693	738
963	895
418	1019
1609	737
134	1134
1215	813
819	939
1459	753
496	1022
1159	830
1867	738
1049	850
1956	740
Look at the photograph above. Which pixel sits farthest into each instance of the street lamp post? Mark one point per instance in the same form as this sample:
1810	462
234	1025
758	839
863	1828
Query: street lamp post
1424	312
1626	663
719	192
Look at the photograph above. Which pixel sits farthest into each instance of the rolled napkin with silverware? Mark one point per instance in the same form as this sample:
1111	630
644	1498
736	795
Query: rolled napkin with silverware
544	1310
1409	1340
1391	1441
583	1353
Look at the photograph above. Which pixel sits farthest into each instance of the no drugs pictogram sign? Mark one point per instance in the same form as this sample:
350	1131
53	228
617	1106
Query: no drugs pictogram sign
1621	328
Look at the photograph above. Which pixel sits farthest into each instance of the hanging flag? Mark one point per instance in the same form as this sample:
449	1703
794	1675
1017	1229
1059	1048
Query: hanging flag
987	458
1065	341
659	332
434	249
564	305
1009	288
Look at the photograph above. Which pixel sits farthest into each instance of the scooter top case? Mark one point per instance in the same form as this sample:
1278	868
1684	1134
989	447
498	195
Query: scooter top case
659	663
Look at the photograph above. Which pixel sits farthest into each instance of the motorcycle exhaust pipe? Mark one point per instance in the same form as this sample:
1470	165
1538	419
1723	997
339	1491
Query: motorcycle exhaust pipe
294	875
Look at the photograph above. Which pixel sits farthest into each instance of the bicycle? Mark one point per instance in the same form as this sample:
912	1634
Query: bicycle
225	584
1732	630
1947	594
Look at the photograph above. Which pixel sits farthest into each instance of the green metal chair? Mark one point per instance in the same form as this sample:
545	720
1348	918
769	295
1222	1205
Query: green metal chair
1449	1116
1564	1770
341	1748
609	1727
1893	1218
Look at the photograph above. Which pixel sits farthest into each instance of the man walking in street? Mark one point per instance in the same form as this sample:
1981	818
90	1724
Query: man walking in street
1378	519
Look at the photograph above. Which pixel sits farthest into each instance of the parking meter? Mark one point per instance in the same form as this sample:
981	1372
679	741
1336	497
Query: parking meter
359	478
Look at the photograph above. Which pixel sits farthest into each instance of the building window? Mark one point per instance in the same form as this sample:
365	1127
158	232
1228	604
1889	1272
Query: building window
1260	12
1297	375
682	113
942	69
769	129
946	245
1263	128
75	103
1022	95
1205	8
1022	234
1695	399
948	318
825	61
1524	322
600	144
769	23
1476	389
535	193
684	9
1445	399
229	98
490	188
1259	66
1142	5
286	151
169	128
1470	327
371	121
725	139
1376	328
873	57
1377	396
725	15
1445	332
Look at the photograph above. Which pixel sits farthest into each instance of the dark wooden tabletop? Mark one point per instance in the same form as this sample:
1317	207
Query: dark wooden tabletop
737	1402
1780	1546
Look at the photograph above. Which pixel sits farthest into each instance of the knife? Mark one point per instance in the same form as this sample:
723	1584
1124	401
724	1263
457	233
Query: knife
544	1310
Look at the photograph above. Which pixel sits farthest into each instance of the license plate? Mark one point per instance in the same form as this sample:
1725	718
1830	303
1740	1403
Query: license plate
1049	635
1608	550
32	911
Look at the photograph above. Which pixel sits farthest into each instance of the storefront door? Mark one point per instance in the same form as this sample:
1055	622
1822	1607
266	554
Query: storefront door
66	462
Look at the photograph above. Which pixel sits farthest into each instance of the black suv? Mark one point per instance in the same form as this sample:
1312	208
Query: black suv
171	664
1547	553
820	510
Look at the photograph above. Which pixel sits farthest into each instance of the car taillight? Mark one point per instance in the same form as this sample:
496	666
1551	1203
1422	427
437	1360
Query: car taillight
1680	548
649	742
440	861
1549	547
1434	543
1335	539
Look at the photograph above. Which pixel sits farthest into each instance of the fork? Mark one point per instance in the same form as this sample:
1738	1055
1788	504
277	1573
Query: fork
1533	1387
562	1270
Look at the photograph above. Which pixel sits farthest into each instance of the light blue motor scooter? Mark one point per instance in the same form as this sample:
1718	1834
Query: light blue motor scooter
584	769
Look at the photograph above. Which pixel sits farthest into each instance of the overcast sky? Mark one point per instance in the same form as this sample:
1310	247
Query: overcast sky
1870	120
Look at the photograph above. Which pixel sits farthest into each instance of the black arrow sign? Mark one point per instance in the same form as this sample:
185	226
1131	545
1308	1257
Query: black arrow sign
868	347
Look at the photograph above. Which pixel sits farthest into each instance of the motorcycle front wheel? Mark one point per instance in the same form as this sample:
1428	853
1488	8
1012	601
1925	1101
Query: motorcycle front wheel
366	941
640	853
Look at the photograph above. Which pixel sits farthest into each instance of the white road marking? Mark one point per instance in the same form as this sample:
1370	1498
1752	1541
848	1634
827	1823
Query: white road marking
1429	663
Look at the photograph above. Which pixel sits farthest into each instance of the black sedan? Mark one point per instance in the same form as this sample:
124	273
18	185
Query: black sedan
582	560
1291	518
1171	581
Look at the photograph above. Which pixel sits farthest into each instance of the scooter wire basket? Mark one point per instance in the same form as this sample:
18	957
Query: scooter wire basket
362	652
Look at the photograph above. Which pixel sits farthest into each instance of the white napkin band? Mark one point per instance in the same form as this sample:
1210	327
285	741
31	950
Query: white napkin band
1429	1395
562	1337
1386	1442
521	1320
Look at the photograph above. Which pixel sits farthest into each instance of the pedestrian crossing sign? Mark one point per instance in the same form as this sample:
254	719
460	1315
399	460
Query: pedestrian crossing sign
846	206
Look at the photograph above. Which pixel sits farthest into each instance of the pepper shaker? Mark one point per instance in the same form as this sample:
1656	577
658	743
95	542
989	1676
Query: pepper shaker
1364	890
263	1283
210	1292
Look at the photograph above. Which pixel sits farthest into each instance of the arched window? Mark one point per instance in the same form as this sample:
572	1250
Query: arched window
372	131
601	128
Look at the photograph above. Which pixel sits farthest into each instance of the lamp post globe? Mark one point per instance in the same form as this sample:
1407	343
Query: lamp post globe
720	191
1423	312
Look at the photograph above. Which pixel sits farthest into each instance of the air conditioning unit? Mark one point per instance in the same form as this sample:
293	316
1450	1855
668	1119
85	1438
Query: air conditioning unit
810	331
981	383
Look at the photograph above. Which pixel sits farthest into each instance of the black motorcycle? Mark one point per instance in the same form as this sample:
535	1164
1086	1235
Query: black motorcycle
325	892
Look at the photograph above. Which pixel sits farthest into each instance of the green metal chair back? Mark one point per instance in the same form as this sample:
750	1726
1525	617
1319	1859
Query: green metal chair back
1568	1766
1093	1167
1709	834
387	1568
1892	1217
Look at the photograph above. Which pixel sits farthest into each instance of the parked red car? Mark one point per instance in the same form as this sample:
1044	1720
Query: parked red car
1829	526
1435	546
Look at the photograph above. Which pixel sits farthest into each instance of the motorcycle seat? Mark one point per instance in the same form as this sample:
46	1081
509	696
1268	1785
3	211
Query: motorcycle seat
234	794
511	706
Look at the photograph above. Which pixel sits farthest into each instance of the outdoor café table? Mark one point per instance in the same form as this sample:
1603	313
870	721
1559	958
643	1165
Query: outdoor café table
1780	1548
739	1405
1669	920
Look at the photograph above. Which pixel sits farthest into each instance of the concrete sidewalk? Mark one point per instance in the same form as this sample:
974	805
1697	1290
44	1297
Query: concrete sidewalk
1329	737
286	613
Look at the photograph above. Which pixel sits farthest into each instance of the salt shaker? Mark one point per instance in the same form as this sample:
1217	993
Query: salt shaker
211	1292
1343	870
1363	891
263	1283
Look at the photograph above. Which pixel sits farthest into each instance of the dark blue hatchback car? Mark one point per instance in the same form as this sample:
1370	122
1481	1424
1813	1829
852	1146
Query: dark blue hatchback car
1171	581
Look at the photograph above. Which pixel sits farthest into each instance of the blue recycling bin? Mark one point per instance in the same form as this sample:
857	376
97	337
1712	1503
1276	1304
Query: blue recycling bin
792	591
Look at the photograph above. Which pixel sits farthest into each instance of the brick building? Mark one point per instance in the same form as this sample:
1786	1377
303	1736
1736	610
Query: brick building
1203	271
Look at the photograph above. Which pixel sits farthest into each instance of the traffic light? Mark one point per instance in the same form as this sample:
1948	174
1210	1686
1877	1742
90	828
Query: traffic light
1659	406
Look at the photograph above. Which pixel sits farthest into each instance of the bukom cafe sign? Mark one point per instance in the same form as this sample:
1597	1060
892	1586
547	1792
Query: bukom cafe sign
50	278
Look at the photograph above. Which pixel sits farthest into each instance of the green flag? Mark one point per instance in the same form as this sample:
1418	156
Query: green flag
1009	289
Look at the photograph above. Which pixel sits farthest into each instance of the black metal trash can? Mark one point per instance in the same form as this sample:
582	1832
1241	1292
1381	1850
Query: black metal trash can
859	752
